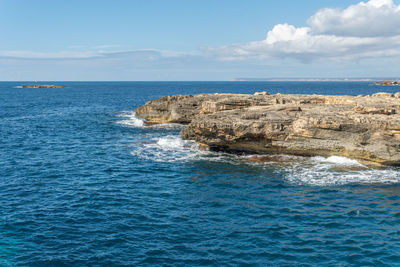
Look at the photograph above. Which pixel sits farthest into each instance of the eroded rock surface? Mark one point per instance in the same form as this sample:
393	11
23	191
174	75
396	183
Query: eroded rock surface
366	128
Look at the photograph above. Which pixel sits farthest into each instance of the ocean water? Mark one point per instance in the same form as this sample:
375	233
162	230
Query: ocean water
84	183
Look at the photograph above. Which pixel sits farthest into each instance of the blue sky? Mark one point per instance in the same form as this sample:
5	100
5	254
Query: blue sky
197	40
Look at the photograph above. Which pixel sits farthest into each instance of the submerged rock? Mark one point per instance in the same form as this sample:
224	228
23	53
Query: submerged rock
362	128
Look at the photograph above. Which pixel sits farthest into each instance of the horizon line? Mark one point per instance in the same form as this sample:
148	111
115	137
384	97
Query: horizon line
310	79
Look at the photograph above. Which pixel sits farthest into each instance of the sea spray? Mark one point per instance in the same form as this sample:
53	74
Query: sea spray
130	119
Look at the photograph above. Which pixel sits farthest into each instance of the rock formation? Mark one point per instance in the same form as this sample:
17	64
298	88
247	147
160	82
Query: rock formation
43	86
366	128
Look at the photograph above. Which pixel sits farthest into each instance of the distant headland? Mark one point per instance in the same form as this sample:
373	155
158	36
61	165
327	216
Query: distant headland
43	86
375	80
388	83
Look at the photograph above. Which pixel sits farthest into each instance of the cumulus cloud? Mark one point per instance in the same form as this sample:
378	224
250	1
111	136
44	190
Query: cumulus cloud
366	30
370	19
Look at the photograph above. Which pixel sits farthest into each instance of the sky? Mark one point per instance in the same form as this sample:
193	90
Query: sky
159	40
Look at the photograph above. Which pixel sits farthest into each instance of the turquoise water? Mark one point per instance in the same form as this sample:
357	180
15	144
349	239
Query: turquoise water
83	183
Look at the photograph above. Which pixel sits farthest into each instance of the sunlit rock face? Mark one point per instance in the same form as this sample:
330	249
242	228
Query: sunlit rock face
366	128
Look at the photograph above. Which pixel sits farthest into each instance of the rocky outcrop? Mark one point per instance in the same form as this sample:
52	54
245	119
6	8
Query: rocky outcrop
43	86
366	128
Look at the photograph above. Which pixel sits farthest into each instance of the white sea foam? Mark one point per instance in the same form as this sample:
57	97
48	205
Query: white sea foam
130	119
167	126
320	177
172	148
168	148
337	160
314	171
319	171
172	143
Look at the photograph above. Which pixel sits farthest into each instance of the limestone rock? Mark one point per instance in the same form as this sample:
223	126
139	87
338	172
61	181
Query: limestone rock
382	95
362	128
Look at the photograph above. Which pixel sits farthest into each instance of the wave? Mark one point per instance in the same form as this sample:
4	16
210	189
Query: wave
172	148
130	119
343	161
166	149
173	143
331	171
296	170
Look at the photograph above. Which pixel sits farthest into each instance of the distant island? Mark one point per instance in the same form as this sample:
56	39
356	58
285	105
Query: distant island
307	79
388	83
291	79
43	86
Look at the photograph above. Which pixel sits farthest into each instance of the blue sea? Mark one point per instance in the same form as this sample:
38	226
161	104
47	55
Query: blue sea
84	183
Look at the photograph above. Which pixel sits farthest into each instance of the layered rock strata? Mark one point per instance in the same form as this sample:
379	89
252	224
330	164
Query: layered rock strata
366	128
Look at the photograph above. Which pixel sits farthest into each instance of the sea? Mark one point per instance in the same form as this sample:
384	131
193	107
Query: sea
83	182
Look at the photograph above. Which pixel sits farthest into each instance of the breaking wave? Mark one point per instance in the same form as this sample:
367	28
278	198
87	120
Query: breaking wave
342	161
169	148
130	119
314	171
172	148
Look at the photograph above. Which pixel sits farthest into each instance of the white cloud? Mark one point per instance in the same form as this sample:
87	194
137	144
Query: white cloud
366	30
285	32
370	19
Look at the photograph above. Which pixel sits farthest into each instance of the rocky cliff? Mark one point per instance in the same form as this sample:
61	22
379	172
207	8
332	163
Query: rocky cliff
366	128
